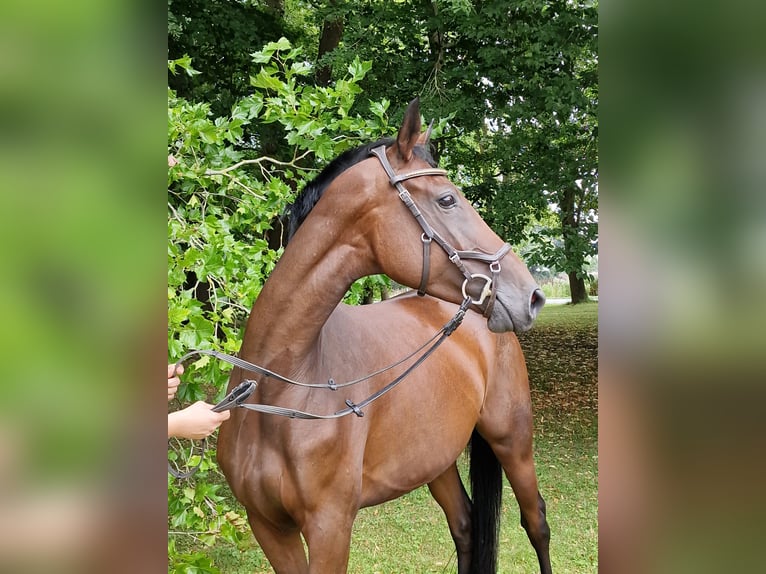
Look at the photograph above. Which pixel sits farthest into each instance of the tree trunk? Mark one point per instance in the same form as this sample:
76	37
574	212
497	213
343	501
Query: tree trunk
577	288
437	49
574	259
332	32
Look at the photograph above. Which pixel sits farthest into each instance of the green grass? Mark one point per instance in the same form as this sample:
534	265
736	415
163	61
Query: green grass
410	535
562	359
579	318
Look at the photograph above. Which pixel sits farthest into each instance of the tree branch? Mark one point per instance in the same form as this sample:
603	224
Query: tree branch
258	161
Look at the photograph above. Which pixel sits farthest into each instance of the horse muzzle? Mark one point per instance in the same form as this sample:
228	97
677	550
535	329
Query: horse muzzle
536	302
513	311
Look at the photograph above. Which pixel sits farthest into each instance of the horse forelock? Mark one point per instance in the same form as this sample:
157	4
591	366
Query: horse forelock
312	192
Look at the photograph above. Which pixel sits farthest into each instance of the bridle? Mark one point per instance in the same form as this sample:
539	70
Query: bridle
429	235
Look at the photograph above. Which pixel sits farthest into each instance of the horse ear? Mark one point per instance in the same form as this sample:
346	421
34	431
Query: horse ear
427	137
410	130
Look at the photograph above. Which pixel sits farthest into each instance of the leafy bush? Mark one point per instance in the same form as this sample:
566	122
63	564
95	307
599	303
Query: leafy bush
222	203
556	288
593	287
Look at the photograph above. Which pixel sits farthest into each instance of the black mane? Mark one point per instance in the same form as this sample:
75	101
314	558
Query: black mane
312	192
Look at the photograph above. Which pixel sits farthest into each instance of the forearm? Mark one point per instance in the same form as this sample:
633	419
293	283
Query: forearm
196	421
175	423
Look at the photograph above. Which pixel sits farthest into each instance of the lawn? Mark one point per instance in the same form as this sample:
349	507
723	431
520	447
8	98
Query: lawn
410	535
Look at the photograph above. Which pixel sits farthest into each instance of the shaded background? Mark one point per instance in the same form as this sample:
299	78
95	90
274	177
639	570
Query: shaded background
683	226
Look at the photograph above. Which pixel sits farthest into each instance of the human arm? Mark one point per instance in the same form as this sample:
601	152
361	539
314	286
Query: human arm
195	421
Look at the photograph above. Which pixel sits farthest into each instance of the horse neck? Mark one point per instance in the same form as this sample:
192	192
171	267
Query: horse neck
305	287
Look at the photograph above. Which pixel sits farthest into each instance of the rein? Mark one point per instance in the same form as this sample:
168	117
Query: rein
237	396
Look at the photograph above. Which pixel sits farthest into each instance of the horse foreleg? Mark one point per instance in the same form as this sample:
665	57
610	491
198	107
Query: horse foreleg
283	547
523	479
515	455
449	492
328	535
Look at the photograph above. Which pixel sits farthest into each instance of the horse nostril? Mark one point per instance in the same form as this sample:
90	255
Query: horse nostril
536	302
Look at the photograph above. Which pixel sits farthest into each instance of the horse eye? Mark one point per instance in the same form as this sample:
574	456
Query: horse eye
447	201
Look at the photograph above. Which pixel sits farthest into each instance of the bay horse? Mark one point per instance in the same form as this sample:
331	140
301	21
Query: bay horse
307	479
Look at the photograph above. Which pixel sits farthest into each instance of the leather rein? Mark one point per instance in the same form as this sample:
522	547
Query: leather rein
236	397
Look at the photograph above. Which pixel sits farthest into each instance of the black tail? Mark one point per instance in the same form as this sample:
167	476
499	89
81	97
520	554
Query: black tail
486	491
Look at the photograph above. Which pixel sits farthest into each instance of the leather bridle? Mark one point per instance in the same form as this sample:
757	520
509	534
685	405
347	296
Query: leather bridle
429	235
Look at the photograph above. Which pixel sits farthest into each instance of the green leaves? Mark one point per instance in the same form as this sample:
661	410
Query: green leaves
358	69
223	202
266	80
316	119
267	53
379	108
519	79
184	63
200	511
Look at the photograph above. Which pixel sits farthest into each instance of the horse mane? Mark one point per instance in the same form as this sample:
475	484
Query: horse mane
296	213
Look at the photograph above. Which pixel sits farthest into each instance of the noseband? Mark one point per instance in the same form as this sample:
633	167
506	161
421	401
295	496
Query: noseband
429	234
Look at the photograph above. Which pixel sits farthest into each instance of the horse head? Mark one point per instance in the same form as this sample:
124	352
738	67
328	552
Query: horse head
469	259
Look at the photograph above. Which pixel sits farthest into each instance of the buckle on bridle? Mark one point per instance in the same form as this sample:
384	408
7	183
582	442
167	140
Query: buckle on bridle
486	291
236	397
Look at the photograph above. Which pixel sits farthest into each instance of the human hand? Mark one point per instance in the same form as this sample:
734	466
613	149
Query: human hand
195	421
173	380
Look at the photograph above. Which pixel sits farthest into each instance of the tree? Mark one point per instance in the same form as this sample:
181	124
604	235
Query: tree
536	63
519	83
550	128
220	37
332	32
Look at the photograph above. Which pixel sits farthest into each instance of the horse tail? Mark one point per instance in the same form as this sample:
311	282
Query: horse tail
486	490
